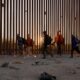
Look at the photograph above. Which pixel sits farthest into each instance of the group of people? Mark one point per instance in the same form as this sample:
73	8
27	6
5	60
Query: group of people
48	41
26	44
59	40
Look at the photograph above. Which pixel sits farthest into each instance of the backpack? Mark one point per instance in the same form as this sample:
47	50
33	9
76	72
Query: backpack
46	76
23	40
78	45
49	40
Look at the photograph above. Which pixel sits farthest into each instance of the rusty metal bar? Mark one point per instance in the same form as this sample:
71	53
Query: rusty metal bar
32	19
1	26
41	16
7	46
60	15
4	29
71	16
13	27
10	22
24	19
27	16
19	17
48	17
32	23
69	22
64	21
52	21
54	17
16	27
37	24
79	17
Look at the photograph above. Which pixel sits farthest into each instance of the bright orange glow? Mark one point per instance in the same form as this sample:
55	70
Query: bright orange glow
39	41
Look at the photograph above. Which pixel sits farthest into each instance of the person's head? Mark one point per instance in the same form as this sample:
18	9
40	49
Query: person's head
72	36
18	35
59	32
28	35
44	32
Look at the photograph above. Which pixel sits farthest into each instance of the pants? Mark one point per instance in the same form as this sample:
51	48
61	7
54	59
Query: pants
20	49
29	50
46	52
59	49
74	49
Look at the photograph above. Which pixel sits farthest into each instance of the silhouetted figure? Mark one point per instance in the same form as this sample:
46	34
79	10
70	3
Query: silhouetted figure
59	40
74	45
20	43
47	42
29	45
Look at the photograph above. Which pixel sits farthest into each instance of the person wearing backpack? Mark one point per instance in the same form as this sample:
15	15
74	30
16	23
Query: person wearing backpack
47	42
20	44
74	45
59	40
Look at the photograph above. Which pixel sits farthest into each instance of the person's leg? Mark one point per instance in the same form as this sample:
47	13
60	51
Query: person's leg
50	51
44	52
27	50
77	49
72	50
21	49
30	51
24	51
59	49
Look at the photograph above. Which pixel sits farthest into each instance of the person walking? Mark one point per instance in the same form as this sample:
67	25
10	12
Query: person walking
59	40
46	44
29	45
74	45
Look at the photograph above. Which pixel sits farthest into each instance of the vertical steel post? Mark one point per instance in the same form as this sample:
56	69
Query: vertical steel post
10	23
19	17
16	26
79	17
24	18
4	28
13	27
37	24
27	16
0	26
7	46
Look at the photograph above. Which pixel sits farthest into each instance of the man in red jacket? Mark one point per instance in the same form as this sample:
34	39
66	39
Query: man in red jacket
59	40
